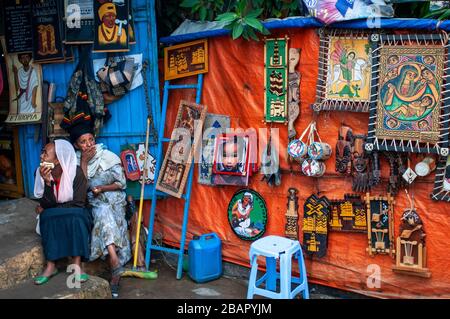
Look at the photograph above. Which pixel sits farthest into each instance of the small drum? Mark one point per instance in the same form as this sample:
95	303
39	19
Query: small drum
319	151
297	149
313	168
425	167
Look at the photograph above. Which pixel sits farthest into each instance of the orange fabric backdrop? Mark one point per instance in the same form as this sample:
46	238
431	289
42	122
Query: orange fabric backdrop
234	86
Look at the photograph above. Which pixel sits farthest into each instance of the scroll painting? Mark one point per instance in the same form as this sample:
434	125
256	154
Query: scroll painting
111	25
409	114
178	159
276	80
25	89
344	73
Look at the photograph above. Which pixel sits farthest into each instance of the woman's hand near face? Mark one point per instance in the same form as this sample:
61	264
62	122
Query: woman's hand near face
46	173
88	154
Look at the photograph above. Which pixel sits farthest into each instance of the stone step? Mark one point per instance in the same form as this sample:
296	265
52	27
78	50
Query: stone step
21	254
59	287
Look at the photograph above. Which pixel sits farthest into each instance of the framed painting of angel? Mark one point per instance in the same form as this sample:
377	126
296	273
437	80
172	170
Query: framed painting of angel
345	73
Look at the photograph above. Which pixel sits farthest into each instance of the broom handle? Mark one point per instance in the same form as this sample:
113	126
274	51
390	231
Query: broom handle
141	200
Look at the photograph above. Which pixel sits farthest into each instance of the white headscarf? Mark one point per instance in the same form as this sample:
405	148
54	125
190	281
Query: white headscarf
65	154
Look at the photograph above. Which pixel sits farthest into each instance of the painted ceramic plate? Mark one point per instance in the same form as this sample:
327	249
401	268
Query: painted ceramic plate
247	214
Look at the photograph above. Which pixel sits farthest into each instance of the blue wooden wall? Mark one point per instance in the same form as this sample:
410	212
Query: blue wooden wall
129	114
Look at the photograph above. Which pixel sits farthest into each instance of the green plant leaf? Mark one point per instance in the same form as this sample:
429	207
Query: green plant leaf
254	23
265	31
237	30
241	5
436	13
227	17
203	13
253	35
445	15
189	3
255	13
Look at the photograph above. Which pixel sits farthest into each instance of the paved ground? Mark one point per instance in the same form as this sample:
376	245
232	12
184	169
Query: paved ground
21	259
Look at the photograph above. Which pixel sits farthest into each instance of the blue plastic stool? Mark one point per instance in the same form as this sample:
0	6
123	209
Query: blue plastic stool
273	248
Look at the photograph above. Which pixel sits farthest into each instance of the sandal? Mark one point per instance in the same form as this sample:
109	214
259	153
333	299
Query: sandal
82	277
40	280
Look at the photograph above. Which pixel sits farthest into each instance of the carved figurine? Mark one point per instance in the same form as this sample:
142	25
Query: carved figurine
291	230
380	219
344	150
411	250
294	92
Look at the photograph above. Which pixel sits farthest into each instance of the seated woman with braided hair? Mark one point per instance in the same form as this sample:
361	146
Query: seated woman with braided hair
106	195
64	220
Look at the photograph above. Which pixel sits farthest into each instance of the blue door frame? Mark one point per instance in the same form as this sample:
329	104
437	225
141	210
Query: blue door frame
129	114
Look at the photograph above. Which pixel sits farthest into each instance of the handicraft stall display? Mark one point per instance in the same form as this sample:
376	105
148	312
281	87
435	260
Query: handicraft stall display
409	114
276	80
183	142
410	245
345	72
380	227
315	225
441	189
247	214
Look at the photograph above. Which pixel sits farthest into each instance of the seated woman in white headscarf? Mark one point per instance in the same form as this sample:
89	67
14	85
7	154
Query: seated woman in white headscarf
64	221
106	195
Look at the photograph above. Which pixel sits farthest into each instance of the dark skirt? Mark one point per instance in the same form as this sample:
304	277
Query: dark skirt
65	232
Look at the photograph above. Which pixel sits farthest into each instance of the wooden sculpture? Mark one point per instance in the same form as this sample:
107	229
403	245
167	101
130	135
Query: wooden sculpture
291	230
294	92
380	228
344	150
410	245
315	230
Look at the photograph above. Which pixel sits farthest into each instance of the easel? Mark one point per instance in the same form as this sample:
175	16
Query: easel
155	193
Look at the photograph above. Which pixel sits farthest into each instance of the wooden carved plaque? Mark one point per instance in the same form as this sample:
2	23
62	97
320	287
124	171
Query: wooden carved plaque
183	142
315	222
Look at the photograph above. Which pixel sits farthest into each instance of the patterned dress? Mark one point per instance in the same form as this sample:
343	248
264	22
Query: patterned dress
108	210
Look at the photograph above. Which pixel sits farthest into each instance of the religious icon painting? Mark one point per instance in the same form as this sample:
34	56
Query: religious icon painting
25	88
345	72
47	31
247	214
315	225
111	25
380	224
441	189
184	142
214	126
130	164
409	114
276	80
79	21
